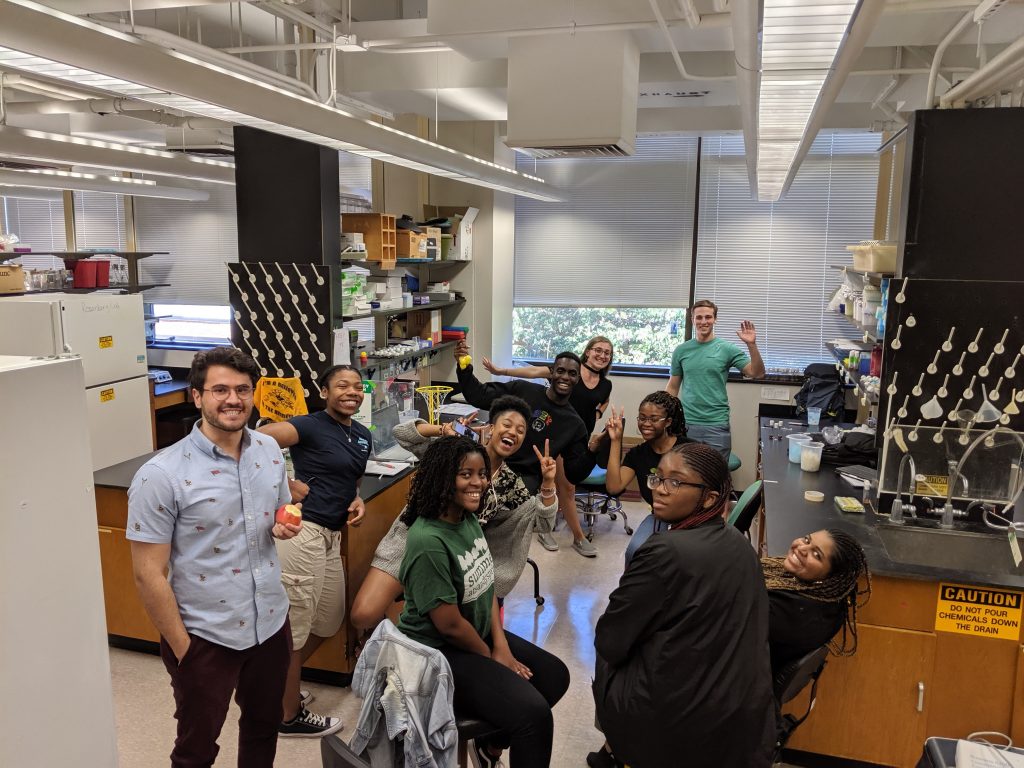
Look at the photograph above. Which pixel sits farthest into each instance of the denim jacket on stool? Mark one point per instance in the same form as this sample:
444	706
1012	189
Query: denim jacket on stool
409	684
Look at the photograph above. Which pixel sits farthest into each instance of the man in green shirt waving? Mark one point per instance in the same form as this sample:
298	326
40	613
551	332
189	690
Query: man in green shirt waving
701	365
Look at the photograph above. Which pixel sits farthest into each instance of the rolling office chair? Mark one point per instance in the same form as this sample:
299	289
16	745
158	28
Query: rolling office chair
595	500
789	681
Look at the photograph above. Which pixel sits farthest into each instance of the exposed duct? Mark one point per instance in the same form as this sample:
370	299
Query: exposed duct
745	26
123	107
574	95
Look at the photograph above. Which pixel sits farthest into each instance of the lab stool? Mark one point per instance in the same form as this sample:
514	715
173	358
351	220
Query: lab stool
734	462
595	500
470	728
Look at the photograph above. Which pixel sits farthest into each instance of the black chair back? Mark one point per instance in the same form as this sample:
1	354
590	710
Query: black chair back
796	675
336	754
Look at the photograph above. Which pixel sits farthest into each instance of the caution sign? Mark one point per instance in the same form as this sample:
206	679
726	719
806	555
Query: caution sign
979	611
280	399
106	342
931	485
106	395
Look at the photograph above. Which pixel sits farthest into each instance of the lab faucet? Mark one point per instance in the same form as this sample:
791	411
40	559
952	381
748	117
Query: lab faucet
948	513
899	508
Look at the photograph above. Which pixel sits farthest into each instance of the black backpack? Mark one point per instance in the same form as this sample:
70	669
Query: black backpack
822	388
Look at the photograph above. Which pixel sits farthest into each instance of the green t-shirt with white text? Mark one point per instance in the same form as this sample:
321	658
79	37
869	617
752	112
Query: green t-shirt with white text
704	367
446	563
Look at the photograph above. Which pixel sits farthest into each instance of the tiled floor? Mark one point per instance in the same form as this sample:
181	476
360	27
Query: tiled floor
576	591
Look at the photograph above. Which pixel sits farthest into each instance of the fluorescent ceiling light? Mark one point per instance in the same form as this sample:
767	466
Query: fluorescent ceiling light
44	178
800	40
33	40
43	146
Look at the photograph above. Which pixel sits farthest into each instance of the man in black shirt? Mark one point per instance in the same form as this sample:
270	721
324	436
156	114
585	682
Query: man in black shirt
554	420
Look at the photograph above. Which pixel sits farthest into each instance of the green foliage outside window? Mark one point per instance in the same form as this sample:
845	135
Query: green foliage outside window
642	336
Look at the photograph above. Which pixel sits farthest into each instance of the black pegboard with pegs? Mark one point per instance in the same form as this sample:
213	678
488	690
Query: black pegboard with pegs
959	341
282	315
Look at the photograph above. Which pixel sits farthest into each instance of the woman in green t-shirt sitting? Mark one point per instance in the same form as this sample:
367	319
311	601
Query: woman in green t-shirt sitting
448	576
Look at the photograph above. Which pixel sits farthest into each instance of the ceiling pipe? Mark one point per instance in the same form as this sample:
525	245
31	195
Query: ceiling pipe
112	107
929	6
933	74
860	30
291	13
746	23
675	51
1001	69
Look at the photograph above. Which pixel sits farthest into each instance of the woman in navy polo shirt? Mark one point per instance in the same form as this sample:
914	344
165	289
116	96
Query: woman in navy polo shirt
329	451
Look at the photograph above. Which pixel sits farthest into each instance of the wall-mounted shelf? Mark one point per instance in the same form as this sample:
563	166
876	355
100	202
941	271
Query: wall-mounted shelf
875	277
381	362
854	377
402	310
132	257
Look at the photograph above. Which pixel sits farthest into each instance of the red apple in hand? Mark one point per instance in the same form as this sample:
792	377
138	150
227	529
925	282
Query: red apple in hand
289	514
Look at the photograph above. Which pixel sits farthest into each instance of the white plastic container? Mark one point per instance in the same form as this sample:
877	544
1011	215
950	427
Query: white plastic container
810	456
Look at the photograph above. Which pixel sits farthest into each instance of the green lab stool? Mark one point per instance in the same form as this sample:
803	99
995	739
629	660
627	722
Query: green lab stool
734	462
742	515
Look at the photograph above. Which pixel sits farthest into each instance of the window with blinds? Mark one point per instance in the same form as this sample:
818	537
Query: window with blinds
200	238
100	221
613	259
771	263
39	224
622	238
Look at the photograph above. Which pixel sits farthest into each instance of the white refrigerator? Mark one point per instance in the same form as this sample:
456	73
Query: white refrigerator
107	332
56	700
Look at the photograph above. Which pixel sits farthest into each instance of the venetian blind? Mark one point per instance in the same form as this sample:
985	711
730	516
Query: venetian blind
771	262
99	221
39	224
624	235
200	238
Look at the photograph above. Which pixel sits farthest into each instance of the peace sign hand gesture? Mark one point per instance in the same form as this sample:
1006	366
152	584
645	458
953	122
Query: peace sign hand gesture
548	465
614	423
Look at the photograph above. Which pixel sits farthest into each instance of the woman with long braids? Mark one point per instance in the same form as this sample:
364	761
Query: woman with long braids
682	675
450	605
662	425
507	514
589	398
813	593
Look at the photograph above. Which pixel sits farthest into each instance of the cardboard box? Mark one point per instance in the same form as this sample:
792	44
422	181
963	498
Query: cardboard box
462	229
12	278
433	235
424	323
411	245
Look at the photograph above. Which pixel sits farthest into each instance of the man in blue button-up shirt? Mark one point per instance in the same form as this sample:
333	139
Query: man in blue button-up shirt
204	510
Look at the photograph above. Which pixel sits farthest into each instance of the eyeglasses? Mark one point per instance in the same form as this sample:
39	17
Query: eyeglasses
601	352
653	481
244	392
650	419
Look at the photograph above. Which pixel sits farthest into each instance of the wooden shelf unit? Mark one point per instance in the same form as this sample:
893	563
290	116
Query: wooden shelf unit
379	234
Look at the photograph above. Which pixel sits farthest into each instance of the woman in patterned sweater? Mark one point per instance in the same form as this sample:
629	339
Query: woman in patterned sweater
507	514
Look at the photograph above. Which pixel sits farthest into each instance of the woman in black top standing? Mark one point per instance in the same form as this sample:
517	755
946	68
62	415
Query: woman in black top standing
589	398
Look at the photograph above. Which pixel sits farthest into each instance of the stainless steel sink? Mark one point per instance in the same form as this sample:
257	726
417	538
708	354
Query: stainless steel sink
960	550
